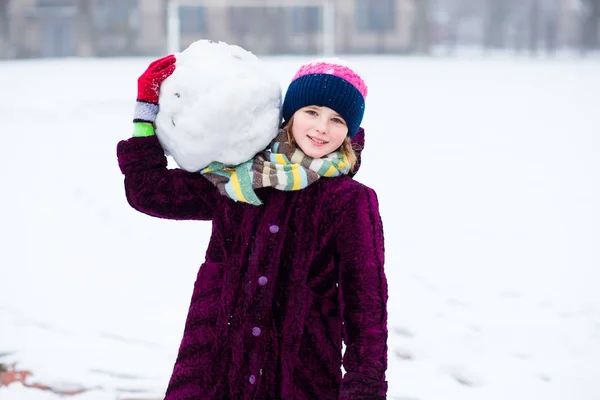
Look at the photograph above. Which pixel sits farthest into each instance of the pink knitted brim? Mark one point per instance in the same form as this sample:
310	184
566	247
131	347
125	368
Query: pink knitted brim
340	71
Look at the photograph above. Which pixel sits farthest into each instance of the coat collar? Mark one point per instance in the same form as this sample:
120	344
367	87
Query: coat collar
358	142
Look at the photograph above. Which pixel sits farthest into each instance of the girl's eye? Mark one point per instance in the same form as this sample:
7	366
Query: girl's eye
337	120
311	112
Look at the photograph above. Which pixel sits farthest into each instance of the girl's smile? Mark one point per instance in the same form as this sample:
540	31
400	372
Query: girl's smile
317	141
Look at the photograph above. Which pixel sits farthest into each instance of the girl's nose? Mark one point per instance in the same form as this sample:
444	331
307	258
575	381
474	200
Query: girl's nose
322	126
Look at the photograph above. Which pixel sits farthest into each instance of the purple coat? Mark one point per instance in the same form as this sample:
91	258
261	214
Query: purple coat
282	285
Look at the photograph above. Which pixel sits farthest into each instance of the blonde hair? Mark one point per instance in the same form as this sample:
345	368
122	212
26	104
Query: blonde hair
347	148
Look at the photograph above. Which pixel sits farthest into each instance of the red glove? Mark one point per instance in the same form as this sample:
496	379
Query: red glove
149	83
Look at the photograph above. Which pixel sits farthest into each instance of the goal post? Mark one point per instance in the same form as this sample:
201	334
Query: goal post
327	16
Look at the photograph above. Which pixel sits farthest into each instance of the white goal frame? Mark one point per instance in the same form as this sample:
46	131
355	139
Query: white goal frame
327	18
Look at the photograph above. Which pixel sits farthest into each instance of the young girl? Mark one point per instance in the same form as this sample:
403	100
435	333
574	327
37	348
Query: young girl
295	263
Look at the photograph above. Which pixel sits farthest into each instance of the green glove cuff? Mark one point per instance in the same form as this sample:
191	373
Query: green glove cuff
142	130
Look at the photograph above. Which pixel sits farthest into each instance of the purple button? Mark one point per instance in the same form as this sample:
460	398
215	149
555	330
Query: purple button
262	281
252	379
256	331
273	229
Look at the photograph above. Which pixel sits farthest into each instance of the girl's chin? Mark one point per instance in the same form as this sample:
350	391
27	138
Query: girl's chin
312	152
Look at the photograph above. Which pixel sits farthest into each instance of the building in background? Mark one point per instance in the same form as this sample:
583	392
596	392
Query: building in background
519	25
59	28
64	28
371	26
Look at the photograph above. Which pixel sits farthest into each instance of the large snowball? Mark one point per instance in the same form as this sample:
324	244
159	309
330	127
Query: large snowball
220	104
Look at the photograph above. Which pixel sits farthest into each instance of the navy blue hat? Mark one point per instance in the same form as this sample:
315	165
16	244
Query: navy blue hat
329	85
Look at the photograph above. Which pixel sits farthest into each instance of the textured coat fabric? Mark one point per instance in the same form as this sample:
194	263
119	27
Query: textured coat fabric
282	285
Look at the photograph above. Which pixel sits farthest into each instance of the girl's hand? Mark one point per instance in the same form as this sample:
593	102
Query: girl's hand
149	87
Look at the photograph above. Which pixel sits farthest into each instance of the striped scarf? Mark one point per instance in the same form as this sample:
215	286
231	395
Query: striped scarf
283	166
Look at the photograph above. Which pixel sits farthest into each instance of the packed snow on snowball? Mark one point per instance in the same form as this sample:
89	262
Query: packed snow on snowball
221	104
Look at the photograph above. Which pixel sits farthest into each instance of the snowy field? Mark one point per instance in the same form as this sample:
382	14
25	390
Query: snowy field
488	174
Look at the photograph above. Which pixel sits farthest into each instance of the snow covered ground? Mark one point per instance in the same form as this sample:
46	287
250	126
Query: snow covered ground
488	174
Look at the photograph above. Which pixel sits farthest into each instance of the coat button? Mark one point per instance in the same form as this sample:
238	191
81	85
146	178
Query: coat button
262	281
252	379
273	229
256	331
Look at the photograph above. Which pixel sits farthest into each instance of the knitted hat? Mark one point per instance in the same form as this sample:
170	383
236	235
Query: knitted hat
329	84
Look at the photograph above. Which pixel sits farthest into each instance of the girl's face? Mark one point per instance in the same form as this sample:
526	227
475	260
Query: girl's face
318	131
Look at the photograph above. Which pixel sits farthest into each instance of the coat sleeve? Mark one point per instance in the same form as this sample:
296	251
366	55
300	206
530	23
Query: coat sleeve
363	297
155	190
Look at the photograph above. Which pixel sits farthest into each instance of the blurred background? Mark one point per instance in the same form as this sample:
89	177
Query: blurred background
106	28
